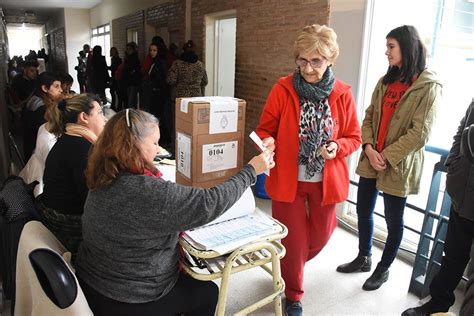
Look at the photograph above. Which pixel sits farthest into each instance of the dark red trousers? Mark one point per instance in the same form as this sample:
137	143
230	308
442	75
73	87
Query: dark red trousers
310	225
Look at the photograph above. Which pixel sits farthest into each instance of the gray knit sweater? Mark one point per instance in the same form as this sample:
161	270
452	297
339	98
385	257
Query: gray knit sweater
130	250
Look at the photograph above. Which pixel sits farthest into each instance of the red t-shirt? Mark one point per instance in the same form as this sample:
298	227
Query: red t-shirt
394	93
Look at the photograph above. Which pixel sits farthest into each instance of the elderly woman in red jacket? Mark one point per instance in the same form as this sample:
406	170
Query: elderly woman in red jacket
310	122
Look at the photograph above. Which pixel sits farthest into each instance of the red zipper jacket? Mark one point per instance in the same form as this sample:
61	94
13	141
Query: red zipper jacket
281	118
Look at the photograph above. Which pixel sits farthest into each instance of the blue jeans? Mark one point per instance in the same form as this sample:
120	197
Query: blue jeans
394	207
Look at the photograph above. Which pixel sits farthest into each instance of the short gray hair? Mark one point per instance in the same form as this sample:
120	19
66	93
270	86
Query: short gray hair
319	38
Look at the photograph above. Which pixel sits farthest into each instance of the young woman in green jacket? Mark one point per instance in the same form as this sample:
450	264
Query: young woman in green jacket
395	129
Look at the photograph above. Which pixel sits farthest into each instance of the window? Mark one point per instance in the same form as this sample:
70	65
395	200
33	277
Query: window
101	37
447	29
132	36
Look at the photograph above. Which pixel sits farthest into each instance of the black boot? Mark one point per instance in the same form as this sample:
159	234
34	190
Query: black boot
430	307
377	278
293	308
362	263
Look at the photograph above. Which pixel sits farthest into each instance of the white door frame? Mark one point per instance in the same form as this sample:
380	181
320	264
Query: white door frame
211	36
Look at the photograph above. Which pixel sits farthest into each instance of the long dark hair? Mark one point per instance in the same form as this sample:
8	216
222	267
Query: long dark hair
413	55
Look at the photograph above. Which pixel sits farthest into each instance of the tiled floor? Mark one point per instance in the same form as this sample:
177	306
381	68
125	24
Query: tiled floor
328	292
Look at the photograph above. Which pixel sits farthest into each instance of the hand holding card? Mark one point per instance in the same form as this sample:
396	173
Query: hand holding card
258	141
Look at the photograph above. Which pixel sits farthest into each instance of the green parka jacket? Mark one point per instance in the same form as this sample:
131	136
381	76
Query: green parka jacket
407	134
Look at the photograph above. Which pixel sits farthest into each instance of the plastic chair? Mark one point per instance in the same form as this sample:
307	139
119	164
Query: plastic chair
46	284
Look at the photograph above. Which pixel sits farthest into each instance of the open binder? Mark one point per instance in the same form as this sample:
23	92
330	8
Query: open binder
241	224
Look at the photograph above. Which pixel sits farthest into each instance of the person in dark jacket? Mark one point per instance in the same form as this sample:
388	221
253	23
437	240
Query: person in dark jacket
24	83
115	62
99	78
467	307
81	71
154	81
128	263
47	94
457	246
131	77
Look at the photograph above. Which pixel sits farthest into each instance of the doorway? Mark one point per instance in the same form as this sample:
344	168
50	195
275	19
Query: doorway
220	53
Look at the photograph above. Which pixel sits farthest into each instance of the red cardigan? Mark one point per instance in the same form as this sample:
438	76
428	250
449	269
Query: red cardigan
281	118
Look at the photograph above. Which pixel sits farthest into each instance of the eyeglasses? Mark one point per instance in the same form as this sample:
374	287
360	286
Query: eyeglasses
315	63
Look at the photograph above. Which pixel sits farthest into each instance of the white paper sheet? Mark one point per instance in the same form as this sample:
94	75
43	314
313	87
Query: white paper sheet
223	115
226	236
244	206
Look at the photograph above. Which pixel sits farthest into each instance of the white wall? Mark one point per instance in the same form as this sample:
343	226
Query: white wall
347	20
112	9
77	27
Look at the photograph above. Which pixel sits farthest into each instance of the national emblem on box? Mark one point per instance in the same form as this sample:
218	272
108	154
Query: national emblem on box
209	139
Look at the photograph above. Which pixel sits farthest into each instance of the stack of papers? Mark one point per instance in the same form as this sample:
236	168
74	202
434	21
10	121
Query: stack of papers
230	234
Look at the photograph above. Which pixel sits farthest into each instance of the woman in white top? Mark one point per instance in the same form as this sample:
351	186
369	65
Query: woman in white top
34	169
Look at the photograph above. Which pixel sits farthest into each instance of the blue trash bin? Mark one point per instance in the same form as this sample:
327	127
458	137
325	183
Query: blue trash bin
260	187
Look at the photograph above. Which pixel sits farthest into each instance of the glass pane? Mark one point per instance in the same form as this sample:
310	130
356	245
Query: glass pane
107	28
100	42
94	31
94	41
101	30
107	48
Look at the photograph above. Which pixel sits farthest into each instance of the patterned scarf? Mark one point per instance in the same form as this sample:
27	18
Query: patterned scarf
73	129
316	123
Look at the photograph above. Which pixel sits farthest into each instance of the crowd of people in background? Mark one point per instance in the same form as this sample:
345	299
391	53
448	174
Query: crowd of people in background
151	84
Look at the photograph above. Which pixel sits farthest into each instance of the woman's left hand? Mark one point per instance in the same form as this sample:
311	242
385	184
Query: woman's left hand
329	151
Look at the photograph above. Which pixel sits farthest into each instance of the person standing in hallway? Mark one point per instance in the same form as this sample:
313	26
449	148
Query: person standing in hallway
460	234
115	62
187	76
130	75
99	74
395	129
81	71
24	83
88	53
310	122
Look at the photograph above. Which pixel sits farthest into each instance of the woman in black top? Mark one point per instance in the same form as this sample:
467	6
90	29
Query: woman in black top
77	122
131	76
99	78
115	63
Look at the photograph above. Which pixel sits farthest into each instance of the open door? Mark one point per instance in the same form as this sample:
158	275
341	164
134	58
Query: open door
220	53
